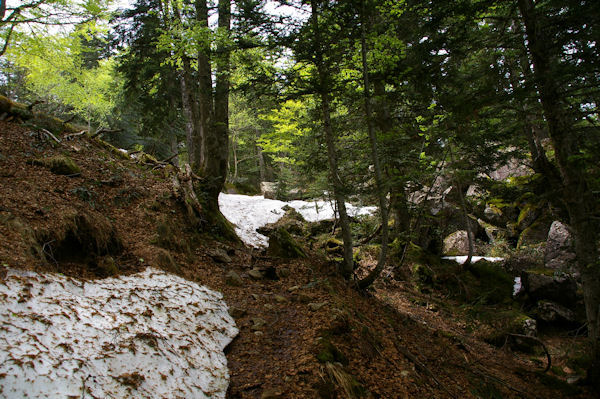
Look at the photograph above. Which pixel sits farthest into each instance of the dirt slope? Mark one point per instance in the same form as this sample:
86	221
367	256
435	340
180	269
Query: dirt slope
304	333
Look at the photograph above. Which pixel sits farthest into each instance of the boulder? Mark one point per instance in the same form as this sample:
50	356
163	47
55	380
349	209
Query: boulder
324	226
283	245
552	312
528	214
219	255
456	243
544	285
512	168
492	232
292	221
499	213
59	165
535	234
233	279
268	189
560	249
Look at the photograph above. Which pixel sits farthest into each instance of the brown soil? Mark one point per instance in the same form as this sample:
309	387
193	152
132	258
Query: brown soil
304	332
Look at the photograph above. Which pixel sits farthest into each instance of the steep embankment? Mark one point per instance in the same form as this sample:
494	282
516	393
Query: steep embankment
79	208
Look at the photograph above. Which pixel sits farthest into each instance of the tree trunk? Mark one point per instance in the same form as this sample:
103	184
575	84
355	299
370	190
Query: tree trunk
190	112
205	90
577	197
261	164
381	192
338	187
217	142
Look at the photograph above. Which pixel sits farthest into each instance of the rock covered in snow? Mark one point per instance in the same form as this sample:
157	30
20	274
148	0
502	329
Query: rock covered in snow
248	213
150	334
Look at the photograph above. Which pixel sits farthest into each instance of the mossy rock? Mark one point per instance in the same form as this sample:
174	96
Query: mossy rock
329	353
166	261
333	246
168	237
537	233
112	149
422	274
25	237
106	266
60	165
502	323
488	282
529	214
241	187
494	233
283	245
292	221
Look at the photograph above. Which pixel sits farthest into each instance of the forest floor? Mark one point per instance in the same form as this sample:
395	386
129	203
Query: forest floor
304	332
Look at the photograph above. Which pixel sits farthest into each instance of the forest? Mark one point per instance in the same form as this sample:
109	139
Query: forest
471	126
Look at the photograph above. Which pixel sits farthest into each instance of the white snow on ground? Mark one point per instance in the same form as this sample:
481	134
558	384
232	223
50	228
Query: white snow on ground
517	286
147	335
463	259
248	213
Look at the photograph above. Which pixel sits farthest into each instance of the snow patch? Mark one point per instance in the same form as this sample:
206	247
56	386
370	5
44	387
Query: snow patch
462	259
517	287
248	213
150	334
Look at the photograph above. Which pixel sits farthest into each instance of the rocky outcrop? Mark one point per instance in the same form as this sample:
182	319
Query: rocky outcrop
283	245
552	312
535	233
560	249
456	243
268	189
545	285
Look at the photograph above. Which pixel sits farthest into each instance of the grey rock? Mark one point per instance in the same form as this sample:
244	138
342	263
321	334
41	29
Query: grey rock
456	243
560	249
559	288
256	274
233	279
513	168
236	312
280	298
529	327
219	255
257	323
268	189
314	307
270	394
552	312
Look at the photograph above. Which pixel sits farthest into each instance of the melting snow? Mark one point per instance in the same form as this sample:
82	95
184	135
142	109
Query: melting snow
517	287
151	335
463	259
249	213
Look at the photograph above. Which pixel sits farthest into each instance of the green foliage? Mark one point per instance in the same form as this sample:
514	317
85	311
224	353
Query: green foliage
55	71
287	123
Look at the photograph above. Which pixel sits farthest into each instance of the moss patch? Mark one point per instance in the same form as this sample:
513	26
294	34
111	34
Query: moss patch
283	245
59	165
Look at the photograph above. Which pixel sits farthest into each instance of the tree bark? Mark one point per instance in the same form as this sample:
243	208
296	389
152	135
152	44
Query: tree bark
381	191
338	187
205	90
576	194
191	115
